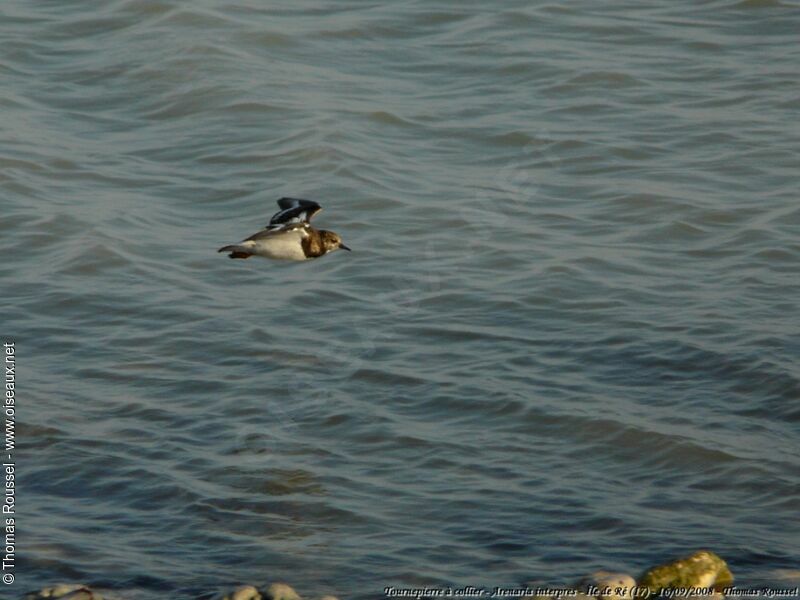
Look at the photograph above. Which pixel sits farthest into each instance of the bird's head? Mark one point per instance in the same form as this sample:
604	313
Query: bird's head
331	241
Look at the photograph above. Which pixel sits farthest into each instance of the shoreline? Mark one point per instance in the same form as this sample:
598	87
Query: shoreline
702	574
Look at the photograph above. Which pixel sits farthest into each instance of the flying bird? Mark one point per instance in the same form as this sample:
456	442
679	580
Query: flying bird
289	235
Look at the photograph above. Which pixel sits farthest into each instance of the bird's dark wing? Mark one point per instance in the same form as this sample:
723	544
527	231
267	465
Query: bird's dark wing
294	210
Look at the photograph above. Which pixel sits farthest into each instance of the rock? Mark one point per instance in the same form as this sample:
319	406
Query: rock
610	586
329	598
281	591
66	591
57	590
702	569
244	592
86	594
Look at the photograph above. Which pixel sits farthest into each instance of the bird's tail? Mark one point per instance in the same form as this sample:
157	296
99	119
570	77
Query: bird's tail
236	251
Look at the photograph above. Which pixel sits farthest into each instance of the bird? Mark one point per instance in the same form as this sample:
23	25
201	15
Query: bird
289	235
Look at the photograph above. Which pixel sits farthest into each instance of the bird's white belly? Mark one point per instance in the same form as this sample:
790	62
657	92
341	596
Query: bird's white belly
285	246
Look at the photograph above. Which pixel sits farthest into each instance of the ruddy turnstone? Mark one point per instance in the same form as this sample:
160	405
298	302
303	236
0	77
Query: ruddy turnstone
289	235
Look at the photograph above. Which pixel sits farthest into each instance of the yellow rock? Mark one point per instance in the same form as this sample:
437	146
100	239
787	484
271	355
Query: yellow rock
702	569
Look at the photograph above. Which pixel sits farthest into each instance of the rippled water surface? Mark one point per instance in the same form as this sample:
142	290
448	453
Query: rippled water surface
566	337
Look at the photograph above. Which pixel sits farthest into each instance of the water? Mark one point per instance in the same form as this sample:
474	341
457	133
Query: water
566	337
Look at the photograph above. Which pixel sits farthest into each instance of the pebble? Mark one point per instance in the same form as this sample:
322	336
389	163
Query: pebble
66	591
610	586
281	591
244	592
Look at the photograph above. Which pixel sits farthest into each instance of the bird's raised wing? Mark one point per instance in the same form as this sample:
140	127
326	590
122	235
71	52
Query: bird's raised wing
294	210
279	228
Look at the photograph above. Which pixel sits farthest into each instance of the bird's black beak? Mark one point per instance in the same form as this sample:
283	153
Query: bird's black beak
343	247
